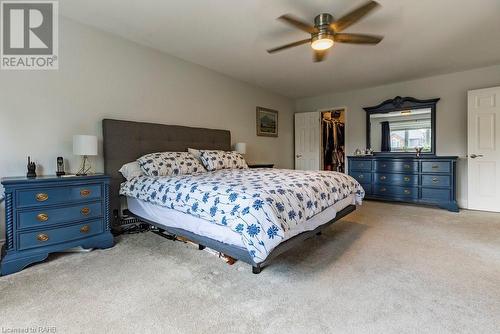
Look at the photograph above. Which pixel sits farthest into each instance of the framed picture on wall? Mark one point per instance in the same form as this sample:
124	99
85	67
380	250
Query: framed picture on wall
267	122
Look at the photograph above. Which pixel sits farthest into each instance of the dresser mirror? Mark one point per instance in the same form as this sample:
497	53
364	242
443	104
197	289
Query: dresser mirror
401	125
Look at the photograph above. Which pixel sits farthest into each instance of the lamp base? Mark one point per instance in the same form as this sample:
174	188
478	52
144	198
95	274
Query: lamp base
85	168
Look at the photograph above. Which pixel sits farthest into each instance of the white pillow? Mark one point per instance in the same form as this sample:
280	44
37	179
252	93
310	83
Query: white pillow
131	170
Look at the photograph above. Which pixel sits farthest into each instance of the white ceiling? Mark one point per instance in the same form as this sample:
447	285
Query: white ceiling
422	38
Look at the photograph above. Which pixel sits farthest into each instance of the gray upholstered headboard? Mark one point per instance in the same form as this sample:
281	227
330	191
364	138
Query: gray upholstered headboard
125	141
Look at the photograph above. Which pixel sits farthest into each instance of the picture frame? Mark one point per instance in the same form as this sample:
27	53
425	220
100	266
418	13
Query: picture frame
267	122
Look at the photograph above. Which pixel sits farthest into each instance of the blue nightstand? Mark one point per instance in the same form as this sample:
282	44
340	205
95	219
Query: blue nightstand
50	214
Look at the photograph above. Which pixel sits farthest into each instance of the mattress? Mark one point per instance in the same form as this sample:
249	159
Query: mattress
263	206
172	218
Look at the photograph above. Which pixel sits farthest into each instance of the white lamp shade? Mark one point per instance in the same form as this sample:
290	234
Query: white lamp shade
240	148
84	145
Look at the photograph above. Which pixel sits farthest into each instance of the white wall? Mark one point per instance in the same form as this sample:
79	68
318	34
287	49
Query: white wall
103	76
451	110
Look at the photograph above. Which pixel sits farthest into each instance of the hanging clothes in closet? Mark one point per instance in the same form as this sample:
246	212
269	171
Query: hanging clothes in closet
333	142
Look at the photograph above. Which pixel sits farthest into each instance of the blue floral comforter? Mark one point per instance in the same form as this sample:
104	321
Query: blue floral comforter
259	204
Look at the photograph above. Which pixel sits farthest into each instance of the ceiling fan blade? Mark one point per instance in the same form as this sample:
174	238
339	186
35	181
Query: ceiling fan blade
354	16
320	55
290	45
298	23
357	38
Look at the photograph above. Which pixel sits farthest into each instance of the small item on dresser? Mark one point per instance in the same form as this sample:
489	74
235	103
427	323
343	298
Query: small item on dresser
31	169
358	152
419	151
368	151
60	167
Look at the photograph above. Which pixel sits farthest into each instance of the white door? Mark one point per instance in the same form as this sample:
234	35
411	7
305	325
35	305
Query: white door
307	145
484	149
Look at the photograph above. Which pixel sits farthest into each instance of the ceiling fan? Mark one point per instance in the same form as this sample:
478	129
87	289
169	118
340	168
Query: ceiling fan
326	31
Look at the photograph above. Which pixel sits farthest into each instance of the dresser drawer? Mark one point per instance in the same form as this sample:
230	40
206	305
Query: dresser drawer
43	217
362	177
394	191
56	195
360	165
396	179
436	167
367	187
396	166
436	180
53	236
436	195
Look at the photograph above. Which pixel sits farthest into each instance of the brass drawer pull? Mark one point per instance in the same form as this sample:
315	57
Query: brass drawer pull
85	192
42	237
435	166
361	176
85	229
407	192
383	177
435	180
407	166
42	217
41	197
85	211
383	189
384	165
407	179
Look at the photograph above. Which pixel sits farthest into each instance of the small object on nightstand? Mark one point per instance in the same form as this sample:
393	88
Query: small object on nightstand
260	165
31	169
60	167
51	214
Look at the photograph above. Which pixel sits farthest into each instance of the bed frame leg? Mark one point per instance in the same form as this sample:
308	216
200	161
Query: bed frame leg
256	269
319	233
201	247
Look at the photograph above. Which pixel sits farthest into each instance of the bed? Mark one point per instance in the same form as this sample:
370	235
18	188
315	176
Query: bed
252	215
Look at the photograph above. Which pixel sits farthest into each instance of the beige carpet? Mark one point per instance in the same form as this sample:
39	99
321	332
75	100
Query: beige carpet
387	268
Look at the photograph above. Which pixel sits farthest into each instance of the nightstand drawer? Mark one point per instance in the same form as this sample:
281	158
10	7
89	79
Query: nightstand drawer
48	237
42	218
56	195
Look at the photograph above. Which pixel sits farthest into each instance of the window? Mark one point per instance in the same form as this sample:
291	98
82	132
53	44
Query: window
407	135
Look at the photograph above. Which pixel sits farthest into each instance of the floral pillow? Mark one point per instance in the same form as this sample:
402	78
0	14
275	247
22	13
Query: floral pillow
214	160
169	163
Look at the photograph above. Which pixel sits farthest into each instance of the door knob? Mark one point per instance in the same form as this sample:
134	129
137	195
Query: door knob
474	156
298	156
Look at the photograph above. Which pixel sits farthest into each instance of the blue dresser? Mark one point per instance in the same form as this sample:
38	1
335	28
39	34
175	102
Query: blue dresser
51	214
427	180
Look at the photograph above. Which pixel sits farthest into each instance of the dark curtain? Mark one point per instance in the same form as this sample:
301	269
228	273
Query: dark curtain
386	137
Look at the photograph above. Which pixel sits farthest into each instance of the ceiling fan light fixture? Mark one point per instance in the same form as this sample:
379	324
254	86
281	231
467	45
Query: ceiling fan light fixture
322	44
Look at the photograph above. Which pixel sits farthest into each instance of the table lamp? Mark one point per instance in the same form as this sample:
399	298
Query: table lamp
84	145
241	148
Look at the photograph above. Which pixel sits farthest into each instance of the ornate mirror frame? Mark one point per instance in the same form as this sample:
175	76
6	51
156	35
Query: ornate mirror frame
399	104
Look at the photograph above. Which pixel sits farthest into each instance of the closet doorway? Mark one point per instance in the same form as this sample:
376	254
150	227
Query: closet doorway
333	139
